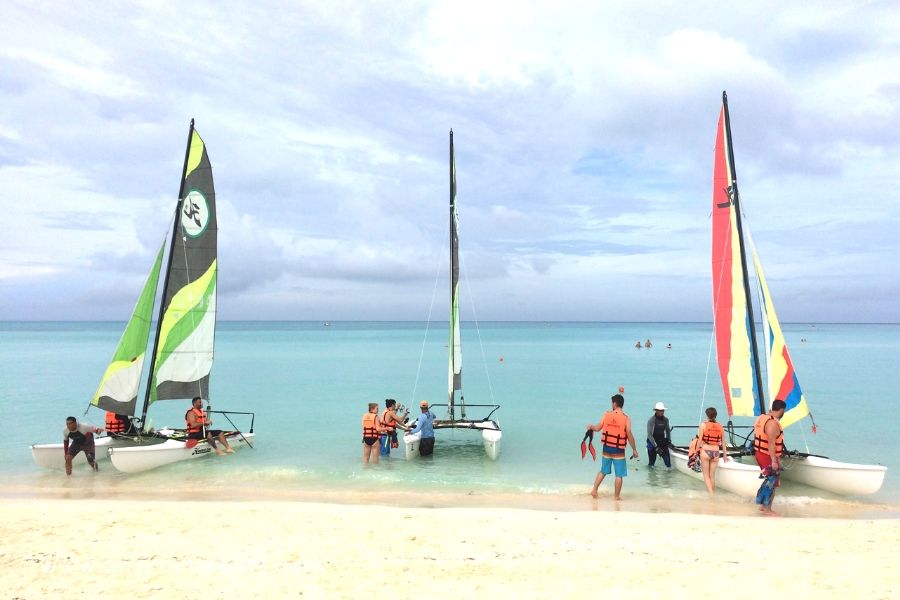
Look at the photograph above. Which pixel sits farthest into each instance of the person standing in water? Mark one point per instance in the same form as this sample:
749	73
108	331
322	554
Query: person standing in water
391	422
768	445
616	428
371	430
712	441
425	424
78	437
659	436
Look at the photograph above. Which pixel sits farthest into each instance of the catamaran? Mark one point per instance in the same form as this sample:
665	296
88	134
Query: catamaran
182	352
738	356
456	409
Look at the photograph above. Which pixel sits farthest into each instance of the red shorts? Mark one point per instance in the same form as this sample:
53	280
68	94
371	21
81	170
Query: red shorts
764	460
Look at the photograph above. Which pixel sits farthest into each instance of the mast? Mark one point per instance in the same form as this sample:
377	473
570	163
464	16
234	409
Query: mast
159	318
455	359
740	233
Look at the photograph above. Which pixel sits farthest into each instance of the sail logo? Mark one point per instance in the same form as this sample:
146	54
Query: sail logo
194	214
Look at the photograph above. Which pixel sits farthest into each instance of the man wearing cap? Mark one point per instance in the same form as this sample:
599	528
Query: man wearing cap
425	424
659	436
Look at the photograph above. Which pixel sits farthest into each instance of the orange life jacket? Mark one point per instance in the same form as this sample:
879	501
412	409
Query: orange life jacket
201	420
392	426
114	424
713	433
369	425
761	440
614	434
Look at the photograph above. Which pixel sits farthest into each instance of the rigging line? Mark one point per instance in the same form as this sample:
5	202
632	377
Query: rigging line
477	329
437	276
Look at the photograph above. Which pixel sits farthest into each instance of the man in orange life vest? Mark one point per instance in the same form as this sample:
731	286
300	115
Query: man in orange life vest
197	421
768	444
616	427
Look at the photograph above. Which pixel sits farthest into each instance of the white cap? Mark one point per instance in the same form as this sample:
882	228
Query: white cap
659	406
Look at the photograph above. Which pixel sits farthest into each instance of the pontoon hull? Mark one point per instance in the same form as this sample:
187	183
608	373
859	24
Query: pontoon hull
490	437
50	456
144	458
734	476
846	479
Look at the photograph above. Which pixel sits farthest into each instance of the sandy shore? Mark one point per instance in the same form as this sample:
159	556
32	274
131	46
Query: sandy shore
150	549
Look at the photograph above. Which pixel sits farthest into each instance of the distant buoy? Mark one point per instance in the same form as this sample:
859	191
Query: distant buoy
501	359
621	389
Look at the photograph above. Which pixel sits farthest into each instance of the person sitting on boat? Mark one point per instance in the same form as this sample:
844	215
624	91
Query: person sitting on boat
768	445
391	422
616	428
425	425
659	436
712	440
198	423
121	424
371	430
78	437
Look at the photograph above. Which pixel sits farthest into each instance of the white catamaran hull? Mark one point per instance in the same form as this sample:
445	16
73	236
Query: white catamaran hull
490	437
736	477
50	456
411	445
847	479
145	458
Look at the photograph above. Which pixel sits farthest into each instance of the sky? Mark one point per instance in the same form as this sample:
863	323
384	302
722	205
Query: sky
584	136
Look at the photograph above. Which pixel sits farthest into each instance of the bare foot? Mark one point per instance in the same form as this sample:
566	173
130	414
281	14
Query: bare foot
219	452
229	450
617	498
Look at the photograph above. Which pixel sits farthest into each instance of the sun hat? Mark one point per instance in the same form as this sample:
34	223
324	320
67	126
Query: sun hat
659	406
423	404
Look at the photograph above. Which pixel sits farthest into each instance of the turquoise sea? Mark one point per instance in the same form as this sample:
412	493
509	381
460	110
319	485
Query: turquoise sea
308	384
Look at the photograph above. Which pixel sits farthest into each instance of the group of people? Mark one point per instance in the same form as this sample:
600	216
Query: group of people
380	432
705	450
79	437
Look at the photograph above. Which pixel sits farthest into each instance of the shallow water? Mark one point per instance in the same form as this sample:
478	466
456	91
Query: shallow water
309	384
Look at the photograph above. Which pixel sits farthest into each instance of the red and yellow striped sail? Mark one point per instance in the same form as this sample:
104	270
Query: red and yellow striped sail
731	318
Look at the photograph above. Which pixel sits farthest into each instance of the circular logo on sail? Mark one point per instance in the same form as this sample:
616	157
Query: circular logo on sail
194	214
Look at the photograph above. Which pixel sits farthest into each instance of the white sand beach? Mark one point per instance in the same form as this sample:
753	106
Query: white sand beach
273	549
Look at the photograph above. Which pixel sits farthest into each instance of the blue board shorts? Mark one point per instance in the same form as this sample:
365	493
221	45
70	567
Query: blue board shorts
613	460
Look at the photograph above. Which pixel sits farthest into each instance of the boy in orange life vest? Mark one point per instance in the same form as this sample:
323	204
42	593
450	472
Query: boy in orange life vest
768	443
371	430
616	427
391	422
197	420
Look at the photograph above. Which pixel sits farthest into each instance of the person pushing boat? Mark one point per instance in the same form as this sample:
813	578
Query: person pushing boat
425	425
768	446
616	428
391	422
79	437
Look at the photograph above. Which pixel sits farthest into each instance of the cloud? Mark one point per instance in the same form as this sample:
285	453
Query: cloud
583	133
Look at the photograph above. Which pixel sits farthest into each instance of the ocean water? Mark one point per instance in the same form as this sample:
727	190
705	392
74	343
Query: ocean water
308	385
